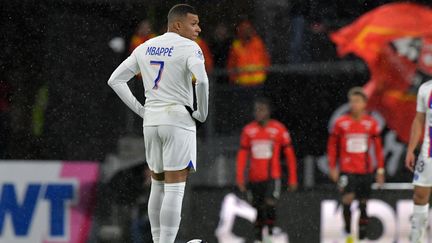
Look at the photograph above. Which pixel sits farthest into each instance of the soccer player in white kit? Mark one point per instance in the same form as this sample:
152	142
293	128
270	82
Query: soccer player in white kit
423	167
167	64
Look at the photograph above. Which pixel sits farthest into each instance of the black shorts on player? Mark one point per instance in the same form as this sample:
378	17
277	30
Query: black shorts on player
264	198
358	184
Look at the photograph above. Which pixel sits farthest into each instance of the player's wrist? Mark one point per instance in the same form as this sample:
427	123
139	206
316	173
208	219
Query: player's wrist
410	150
380	171
141	111
195	115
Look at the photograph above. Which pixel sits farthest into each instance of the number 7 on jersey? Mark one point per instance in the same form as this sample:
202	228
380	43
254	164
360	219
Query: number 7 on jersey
159	75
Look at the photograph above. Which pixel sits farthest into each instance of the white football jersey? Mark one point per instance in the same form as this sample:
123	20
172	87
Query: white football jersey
165	64
424	105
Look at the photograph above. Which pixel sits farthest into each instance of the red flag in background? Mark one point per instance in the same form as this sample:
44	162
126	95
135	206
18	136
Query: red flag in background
395	41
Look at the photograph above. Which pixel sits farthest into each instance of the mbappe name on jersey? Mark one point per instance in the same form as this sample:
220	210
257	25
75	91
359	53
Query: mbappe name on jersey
159	51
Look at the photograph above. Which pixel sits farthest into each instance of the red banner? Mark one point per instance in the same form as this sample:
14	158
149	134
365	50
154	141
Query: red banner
395	41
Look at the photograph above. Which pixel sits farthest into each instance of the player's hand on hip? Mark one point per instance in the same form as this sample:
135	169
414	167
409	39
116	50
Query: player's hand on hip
334	175
410	161
292	187
195	115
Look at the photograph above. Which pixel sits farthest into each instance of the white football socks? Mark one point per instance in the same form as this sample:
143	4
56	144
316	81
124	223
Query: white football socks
154	208
419	223
170	213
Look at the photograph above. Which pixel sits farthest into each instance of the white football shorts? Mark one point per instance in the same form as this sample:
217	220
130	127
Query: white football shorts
170	148
423	172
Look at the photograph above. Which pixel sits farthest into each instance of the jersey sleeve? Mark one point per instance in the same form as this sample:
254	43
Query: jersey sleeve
291	160
244	140
242	157
332	145
377	141
132	63
195	56
118	82
195	64
202	92
376	131
285	138
421	106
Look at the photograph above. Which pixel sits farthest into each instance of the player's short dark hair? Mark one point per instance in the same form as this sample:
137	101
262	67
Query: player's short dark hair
357	91
180	10
263	100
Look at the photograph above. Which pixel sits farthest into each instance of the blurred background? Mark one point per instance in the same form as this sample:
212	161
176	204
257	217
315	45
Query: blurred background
55	104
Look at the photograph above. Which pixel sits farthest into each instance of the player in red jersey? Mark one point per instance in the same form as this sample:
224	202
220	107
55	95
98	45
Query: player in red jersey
264	139
349	144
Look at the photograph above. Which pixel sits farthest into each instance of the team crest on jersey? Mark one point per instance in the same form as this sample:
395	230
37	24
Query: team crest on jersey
367	124
345	124
199	54
252	132
272	131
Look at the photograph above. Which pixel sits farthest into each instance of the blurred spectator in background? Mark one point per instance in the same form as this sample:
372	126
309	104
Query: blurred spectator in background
5	94
247	61
248	57
208	57
265	139
142	34
220	45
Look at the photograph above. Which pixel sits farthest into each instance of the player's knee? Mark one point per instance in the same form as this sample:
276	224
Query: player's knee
420	197
260	214
158	176
270	202
347	199
176	176
362	204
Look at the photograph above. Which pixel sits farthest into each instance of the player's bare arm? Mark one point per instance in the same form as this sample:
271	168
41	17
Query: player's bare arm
416	133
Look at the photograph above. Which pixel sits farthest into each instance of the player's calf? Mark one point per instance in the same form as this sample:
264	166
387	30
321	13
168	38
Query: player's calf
154	207
259	223
419	223
347	199
364	219
271	217
170	215
347	218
